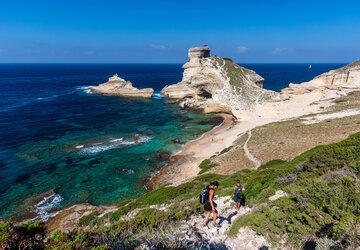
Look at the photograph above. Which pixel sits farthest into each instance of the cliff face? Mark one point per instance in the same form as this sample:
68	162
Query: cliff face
119	87
347	77
214	84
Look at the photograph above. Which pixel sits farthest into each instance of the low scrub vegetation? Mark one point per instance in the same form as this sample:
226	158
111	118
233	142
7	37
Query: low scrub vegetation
322	206
225	150
206	165
323	201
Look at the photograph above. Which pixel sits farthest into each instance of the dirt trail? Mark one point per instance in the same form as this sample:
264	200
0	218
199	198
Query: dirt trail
248	154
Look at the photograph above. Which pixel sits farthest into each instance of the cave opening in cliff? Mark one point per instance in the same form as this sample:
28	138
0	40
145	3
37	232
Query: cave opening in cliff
205	94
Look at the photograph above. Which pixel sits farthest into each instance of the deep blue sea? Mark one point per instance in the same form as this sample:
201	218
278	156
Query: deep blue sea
91	148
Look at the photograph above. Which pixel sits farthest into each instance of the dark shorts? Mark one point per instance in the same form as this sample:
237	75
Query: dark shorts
207	207
236	199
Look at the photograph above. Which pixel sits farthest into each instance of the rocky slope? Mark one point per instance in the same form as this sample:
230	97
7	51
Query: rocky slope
347	77
119	87
214	84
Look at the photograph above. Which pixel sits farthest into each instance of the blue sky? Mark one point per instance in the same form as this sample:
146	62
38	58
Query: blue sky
162	31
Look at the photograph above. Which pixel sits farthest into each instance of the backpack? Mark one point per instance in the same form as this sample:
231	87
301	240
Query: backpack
204	196
238	192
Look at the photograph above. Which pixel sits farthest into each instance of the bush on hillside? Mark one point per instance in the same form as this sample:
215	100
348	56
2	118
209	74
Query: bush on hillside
324	200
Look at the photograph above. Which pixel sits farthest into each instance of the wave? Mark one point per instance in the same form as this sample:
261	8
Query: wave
144	139
112	144
71	124
157	95
26	102
11	107
46	98
47	204
85	89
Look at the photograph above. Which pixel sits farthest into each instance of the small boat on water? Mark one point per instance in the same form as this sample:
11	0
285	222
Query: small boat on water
310	66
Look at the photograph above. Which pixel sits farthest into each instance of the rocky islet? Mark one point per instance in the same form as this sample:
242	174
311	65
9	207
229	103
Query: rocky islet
116	86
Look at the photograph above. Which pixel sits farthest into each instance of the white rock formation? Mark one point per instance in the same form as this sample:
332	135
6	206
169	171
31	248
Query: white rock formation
119	87
277	195
214	84
217	236
347	77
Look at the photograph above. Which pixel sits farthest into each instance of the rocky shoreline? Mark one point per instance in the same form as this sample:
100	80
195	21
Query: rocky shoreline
256	108
183	165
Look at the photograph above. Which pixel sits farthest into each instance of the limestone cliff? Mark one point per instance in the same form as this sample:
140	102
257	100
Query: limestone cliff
119	87
214	84
347	77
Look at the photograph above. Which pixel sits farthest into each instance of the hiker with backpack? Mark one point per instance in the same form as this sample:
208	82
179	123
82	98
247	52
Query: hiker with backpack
237	194
206	198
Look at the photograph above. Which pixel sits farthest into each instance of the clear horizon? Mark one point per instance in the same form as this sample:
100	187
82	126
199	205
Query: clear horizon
180	63
162	31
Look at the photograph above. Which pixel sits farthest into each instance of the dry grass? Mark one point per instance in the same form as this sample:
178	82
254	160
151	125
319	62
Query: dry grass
234	160
287	139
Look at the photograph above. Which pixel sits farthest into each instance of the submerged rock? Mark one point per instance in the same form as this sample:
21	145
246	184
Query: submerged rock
217	85
177	141
162	156
214	121
125	171
117	86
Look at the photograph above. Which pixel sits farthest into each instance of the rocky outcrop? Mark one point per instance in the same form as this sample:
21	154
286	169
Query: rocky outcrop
214	84
347	77
117	86
67	219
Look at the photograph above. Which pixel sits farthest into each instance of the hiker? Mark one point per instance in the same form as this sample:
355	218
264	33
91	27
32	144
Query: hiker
237	194
210	205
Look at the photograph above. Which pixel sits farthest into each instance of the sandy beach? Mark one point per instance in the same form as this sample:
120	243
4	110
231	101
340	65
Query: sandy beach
184	165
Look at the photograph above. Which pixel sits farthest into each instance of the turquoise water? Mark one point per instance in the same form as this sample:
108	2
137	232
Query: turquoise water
90	148
84	147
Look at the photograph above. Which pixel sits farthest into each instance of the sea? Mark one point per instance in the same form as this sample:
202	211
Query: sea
61	145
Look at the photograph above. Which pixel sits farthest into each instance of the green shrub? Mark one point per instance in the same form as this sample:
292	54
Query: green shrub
206	165
81	237
272	163
14	236
123	203
324	198
228	59
225	150
85	220
340	100
4	230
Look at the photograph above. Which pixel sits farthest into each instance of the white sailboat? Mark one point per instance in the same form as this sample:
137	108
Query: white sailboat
310	66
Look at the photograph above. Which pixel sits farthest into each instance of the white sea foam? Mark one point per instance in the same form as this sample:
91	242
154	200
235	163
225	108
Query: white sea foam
85	89
47	204
80	146
46	98
116	140
157	95
113	143
144	139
